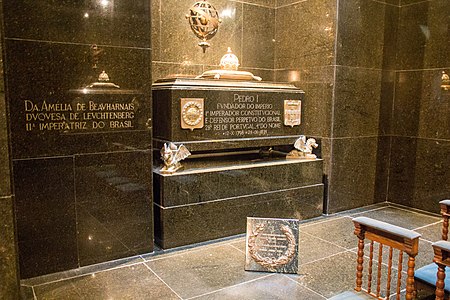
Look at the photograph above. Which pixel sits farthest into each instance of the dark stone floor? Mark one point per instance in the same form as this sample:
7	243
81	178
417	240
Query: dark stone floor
215	270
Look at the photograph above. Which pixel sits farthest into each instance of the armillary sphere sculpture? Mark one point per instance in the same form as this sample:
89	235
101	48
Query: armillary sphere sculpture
204	20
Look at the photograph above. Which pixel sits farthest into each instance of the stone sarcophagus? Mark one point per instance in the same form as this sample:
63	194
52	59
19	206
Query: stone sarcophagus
207	115
227	150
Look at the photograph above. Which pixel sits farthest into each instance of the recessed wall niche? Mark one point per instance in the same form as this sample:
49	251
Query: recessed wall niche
77	79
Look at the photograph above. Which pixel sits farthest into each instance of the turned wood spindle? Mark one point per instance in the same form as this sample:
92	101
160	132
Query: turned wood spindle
445	229
369	279
440	282
359	267
388	285
380	260
399	273
410	279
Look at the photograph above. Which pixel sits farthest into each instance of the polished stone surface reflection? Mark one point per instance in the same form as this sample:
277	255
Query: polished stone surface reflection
5	167
9	277
317	82
216	270
355	17
311	24
353	173
216	219
91	22
49	58
414	181
422	35
113	206
356	102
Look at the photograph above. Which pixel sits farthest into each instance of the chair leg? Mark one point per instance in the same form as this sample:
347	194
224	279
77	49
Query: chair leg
359	267
410	289
440	284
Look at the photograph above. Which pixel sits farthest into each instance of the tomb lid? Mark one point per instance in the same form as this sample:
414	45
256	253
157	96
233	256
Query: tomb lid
199	83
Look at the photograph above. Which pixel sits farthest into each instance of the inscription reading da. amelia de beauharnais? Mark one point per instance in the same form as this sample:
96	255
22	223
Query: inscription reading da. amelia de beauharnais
77	116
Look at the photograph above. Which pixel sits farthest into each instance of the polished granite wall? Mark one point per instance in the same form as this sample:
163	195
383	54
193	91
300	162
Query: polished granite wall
417	127
247	27
83	194
9	272
338	59
350	57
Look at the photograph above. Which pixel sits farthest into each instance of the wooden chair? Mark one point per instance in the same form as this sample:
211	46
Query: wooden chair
394	237
425	277
442	260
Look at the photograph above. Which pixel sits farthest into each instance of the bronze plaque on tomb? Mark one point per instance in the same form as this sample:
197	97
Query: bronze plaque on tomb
272	245
192	113
292	112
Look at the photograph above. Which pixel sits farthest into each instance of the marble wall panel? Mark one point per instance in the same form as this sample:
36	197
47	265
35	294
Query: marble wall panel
46	218
317	82
419	176
305	34
113	205
432	180
382	168
9	277
181	189
5	166
179	44
391	22
360	36
357	102
119	23
32	77
434	115
406	106
423	35
155	30
169	69
421	107
386	102
353	173
266	3
189	224
258	45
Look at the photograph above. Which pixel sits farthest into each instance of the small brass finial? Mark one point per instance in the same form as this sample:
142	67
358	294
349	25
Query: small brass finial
445	83
103	77
229	61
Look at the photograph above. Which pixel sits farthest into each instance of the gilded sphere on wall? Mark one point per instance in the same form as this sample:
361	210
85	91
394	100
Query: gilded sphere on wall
204	21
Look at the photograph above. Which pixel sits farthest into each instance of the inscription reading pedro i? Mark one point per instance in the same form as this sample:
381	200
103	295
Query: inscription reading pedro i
78	116
272	245
244	115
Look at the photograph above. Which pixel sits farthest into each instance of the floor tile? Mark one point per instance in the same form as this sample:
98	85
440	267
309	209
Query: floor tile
432	233
273	287
195	273
401	217
239	244
133	282
336	274
337	231
57	290
311	248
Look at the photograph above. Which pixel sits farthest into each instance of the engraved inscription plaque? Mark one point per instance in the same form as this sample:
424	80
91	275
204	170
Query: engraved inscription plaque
292	112
272	245
192	113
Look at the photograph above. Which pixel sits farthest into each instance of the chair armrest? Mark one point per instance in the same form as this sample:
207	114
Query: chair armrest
387	228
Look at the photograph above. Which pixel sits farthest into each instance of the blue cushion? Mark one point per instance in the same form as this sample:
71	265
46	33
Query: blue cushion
427	274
